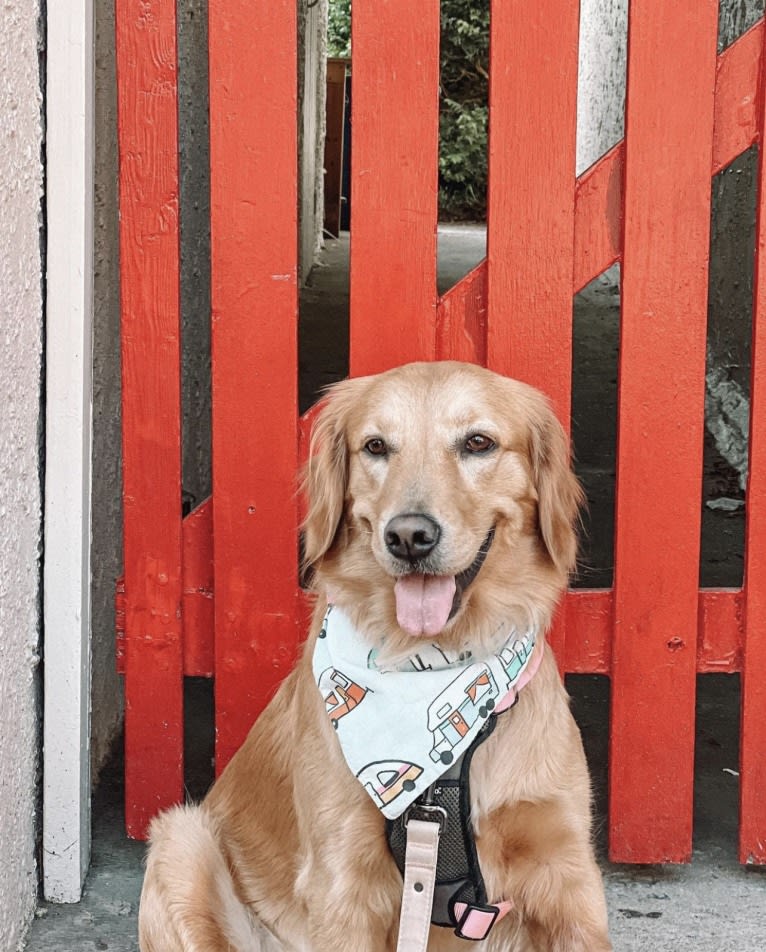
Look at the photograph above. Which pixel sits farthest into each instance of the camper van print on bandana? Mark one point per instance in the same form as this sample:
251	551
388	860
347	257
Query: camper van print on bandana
400	728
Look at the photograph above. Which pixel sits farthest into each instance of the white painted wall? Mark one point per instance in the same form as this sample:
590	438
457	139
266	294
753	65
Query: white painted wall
21	184
312	95
66	513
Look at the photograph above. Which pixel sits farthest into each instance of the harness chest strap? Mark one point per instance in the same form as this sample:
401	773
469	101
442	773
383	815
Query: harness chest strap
424	824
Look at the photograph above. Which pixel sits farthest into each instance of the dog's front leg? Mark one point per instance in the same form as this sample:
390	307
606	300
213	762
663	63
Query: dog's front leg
564	909
352	925
351	889
543	861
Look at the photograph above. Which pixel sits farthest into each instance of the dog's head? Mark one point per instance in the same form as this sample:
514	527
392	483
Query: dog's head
441	501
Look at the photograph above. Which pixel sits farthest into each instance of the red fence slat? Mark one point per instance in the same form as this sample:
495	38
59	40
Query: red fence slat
721	630
660	411
395	118
198	586
590	621
736	114
530	214
150	341
752	833
530	209
598	217
253	157
461	332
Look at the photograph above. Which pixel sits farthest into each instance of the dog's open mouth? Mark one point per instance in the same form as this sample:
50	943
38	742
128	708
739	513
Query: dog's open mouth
425	603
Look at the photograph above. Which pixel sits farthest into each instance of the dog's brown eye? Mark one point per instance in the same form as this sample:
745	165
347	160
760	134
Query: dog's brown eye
376	447
479	443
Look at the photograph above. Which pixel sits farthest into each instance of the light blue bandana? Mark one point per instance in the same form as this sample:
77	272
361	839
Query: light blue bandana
400	728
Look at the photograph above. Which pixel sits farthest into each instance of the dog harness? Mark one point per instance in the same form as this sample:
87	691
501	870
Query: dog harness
408	733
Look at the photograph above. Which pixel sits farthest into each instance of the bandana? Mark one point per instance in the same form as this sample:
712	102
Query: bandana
401	727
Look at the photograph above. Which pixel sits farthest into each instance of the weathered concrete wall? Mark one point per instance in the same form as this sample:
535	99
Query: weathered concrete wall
106	545
21	183
312	85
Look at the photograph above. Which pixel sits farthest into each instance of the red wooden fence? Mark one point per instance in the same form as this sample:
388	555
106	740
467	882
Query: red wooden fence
645	203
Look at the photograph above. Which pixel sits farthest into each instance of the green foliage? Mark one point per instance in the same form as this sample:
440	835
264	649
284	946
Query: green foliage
464	88
463	161
463	122
339	28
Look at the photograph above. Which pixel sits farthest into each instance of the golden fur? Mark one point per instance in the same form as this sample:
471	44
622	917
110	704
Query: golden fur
287	851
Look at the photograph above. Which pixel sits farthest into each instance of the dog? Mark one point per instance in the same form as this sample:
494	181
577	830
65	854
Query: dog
441	515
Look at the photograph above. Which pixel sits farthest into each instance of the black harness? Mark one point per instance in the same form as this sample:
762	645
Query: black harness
458	875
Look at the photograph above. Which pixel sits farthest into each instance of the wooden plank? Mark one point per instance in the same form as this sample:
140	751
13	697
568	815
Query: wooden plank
661	396
197	597
598	218
590	620
752	824
736	115
461	331
253	154
148	141
335	114
530	213
395	117
598	209
721	631
68	390
198	584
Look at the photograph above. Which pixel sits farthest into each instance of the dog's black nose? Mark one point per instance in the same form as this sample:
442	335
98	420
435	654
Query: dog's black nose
411	536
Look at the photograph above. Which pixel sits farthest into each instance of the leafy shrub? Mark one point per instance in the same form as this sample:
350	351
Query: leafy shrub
464	115
339	28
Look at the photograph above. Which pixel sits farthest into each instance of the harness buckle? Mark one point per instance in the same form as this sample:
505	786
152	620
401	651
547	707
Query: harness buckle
429	812
475	921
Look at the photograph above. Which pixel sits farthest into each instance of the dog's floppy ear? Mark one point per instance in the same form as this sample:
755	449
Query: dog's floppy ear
325	477
559	493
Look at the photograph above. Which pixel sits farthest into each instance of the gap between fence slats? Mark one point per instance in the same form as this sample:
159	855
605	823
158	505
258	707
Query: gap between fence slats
253	158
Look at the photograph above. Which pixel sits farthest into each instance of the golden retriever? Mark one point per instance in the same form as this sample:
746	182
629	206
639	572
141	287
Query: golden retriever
416	476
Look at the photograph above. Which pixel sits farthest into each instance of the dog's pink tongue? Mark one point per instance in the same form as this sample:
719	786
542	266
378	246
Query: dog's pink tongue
423	602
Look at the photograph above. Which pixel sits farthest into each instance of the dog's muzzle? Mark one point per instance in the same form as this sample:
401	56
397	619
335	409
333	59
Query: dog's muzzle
466	577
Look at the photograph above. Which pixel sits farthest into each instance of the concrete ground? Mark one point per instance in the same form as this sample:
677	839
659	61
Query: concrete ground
711	905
